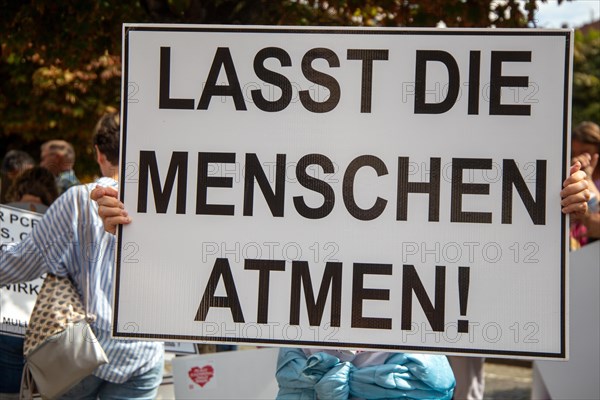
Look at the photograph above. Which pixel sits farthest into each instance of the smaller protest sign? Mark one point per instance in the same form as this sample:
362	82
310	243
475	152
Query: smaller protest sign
210	376
17	300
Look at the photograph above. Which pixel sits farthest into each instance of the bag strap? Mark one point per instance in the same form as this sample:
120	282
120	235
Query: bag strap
86	292
28	388
86	277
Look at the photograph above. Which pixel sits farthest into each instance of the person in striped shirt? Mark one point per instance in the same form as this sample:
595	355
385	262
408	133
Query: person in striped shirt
70	240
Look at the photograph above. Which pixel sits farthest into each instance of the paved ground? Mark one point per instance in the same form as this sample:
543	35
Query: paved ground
507	381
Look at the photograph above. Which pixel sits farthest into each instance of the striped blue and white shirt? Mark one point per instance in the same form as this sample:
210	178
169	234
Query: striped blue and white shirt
70	240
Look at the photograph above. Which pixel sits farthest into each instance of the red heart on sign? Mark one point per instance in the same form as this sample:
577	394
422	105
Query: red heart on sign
201	376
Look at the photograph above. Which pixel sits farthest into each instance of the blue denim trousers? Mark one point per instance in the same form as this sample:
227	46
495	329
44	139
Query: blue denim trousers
144	386
11	363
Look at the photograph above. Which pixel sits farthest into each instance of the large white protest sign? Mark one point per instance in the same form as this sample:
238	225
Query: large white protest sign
352	188
17	300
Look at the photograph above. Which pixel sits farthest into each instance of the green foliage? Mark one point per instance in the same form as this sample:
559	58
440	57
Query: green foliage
586	77
60	69
454	13
60	64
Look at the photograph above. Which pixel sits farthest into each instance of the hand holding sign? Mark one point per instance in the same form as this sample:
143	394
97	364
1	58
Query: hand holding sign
575	193
110	209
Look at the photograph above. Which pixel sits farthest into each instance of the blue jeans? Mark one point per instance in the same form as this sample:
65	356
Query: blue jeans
11	363
144	386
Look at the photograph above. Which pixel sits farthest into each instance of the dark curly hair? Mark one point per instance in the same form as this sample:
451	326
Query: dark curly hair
106	136
36	181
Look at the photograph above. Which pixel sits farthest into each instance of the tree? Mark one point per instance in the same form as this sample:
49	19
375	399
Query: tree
586	77
60	65
454	13
60	69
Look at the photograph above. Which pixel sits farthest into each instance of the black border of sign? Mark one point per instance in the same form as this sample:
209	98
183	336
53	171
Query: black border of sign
363	31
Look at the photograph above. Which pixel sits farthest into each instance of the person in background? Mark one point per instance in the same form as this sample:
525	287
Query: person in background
70	241
585	148
33	190
14	162
58	157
